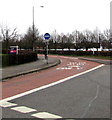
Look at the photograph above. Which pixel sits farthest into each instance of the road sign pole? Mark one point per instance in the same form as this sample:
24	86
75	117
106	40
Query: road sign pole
47	52
46	36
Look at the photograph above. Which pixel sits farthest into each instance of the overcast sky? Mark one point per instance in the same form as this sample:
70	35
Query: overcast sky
63	15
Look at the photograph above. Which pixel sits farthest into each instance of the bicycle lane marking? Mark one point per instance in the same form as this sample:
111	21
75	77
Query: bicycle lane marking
49	85
31	81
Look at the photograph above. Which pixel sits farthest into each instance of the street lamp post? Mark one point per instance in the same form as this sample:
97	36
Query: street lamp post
33	27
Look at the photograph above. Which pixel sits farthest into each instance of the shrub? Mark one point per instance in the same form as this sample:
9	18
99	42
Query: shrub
21	58
5	60
80	53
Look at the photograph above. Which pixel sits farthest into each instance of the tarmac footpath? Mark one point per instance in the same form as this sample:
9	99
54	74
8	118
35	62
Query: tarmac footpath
102	61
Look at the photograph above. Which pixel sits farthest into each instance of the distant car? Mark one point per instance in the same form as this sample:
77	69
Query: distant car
13	49
105	49
81	50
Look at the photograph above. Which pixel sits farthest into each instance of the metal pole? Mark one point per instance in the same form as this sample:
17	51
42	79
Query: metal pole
33	27
33	30
47	52
17	53
33	15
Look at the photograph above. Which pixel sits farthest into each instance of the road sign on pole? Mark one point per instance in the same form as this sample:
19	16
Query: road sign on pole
46	36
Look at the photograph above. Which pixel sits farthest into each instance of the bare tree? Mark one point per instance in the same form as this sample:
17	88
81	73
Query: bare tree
106	42
97	33
54	35
107	34
7	36
69	41
30	38
75	35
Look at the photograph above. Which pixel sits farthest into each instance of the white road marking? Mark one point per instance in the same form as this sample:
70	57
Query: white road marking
23	109
64	68
68	57
45	115
49	85
71	65
7	104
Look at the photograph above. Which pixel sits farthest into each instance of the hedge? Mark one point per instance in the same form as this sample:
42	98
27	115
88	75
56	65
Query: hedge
13	59
79	53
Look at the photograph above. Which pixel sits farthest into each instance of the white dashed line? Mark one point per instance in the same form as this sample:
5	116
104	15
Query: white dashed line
7	104
45	115
23	109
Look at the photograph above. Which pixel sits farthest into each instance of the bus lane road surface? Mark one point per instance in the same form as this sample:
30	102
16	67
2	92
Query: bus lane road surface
74	89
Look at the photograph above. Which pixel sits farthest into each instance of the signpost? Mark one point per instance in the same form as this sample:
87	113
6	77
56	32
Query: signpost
46	36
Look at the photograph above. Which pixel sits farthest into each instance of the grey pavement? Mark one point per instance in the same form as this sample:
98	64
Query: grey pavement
102	61
40	64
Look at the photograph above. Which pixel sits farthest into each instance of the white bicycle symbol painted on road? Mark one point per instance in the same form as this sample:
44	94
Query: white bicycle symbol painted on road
71	65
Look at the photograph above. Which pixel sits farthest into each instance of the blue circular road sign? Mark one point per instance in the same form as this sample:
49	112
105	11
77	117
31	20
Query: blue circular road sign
46	36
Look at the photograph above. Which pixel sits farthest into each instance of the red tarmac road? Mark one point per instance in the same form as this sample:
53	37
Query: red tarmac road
69	66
